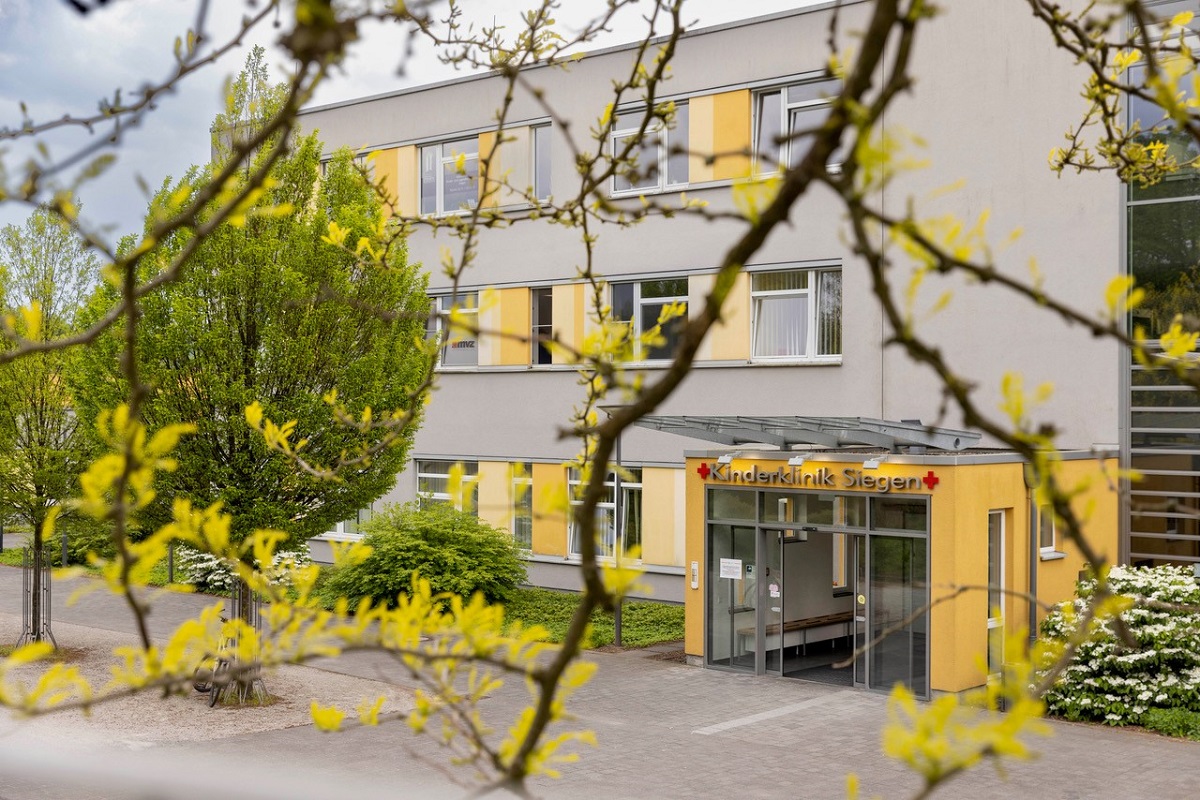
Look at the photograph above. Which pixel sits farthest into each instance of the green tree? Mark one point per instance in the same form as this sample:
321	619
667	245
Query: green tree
46	269
266	312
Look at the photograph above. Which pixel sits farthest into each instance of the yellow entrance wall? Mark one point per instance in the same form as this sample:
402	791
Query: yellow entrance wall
958	557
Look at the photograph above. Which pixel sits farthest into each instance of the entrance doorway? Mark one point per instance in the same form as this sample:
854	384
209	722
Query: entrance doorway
795	599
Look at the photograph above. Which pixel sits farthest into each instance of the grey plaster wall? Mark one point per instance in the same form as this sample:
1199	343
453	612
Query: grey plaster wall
992	97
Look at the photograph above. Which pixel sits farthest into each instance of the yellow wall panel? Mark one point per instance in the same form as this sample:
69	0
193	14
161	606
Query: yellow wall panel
731	134
658	516
386	168
515	320
700	138
489	189
568	315
495	490
549	510
730	338
408	176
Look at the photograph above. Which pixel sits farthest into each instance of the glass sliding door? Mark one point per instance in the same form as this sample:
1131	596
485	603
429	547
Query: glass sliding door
896	591
890	591
732	596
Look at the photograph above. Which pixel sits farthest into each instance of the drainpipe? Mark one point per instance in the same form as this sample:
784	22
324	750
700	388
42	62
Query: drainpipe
1034	550
618	531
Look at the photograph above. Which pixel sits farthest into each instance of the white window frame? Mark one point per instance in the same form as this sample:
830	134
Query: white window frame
663	139
539	328
995	624
522	501
606	513
816	296
465	304
789	149
1046	522
445	155
636	327
439	469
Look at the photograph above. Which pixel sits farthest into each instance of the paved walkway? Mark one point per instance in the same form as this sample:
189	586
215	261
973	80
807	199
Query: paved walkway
665	730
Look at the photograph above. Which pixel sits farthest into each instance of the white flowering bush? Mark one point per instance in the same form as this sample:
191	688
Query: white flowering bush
1111	683
215	575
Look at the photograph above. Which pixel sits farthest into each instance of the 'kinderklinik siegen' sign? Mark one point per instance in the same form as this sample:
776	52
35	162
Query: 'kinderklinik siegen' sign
820	478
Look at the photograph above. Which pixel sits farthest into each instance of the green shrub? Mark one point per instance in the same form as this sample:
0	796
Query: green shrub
455	551
1173	722
1111	683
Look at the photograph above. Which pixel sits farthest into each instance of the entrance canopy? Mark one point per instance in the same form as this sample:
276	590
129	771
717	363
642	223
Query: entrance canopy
788	432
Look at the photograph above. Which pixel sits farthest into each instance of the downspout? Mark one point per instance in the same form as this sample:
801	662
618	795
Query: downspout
1034	552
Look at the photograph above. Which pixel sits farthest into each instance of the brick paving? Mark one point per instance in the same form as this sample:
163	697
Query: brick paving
666	730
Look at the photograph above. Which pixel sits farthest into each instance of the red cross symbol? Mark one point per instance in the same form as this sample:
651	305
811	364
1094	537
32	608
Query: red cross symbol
704	471
931	480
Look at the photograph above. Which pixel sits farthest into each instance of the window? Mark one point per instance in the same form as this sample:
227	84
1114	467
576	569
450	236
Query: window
449	176
543	327
607	513
779	114
541	162
460	346
522	494
640	305
352	527
995	652
1046	537
657	167
797	314
436	483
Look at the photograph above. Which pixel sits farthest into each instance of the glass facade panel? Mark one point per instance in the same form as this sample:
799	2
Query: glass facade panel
731	504
900	514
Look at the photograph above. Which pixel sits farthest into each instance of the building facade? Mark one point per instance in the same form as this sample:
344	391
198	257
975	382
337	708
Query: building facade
801	340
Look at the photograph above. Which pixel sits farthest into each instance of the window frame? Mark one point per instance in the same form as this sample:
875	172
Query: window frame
638	302
788	150
540	139
442	305
445	156
521	486
539	354
606	512
425	470
815	292
1046	522
664	139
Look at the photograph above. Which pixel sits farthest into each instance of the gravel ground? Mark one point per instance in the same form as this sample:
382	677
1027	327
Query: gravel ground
145	720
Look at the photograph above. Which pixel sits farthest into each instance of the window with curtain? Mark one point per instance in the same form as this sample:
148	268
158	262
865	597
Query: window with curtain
797	314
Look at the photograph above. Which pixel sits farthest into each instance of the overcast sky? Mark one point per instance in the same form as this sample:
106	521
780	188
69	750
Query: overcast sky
58	62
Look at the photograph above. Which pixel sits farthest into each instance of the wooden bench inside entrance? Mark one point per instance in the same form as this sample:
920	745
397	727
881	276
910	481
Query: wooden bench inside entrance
796	631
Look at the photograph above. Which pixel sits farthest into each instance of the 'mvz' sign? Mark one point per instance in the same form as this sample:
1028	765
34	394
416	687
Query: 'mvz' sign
821	478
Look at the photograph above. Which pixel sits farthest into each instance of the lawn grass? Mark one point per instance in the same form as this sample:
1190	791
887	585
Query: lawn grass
643	623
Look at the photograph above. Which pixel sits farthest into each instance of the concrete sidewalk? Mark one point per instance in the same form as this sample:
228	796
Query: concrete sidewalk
665	730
